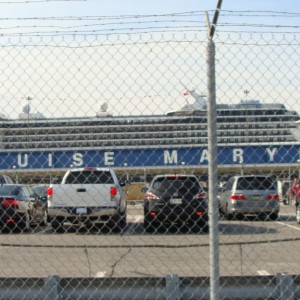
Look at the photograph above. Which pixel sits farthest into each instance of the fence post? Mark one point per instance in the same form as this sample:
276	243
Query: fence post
172	287
212	173
285	286
52	288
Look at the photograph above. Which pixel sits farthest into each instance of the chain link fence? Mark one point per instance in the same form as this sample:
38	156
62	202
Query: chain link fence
127	116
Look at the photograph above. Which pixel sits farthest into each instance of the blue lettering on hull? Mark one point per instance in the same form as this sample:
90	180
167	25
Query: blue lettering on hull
158	157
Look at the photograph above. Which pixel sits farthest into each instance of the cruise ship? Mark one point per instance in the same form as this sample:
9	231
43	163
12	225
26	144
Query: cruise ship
250	133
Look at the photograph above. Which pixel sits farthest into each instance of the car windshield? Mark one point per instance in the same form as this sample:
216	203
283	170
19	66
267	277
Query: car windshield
166	183
90	177
9	190
255	183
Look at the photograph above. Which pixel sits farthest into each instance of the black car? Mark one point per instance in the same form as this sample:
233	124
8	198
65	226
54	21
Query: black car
16	206
175	200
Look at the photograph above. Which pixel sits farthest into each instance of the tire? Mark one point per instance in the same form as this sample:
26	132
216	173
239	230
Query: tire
148	225
117	223
200	227
205	228
298	214
57	225
262	216
120	223
273	216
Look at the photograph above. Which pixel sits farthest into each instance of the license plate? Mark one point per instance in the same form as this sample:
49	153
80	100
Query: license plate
81	210
256	197
176	201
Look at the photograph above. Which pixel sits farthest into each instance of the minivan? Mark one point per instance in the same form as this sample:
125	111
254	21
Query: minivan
244	195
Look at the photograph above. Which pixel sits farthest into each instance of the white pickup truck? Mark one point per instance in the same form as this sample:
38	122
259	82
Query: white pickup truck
90	196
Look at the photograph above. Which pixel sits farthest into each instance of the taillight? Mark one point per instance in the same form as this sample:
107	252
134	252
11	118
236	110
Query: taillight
237	197
273	197
10	203
150	196
50	191
200	196
113	191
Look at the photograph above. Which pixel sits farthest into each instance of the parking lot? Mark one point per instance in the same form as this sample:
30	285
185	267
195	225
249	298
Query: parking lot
247	247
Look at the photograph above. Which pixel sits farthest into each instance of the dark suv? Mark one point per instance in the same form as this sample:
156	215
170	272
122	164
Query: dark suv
175	200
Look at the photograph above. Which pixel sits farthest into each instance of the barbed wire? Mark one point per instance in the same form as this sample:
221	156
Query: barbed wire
164	22
135	31
173	14
151	22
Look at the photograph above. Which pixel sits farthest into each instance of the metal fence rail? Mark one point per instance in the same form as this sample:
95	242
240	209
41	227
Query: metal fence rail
171	287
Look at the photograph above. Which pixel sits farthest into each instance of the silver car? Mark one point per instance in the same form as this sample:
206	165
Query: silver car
249	195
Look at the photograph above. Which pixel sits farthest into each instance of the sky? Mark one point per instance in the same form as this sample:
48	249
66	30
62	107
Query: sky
15	8
112	7
40	73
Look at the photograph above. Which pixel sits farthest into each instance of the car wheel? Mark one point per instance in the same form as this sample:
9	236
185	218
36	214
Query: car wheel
205	228
57	225
119	223
273	216
200	227
298	214
262	216
148	225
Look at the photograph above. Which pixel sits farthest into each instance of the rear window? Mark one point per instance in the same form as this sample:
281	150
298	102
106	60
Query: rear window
90	177
255	183
40	190
6	190
165	183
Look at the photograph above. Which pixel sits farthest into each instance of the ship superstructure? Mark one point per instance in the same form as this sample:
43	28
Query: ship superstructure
244	123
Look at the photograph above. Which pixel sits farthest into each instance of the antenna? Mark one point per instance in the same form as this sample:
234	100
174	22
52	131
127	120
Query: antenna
246	92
